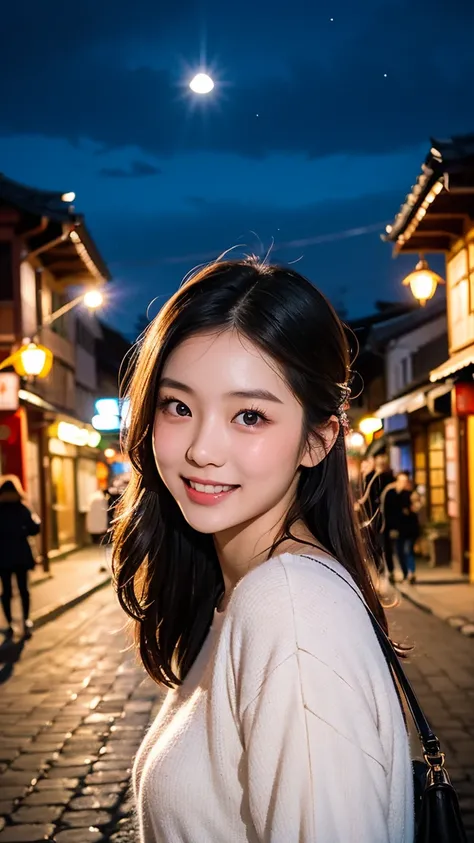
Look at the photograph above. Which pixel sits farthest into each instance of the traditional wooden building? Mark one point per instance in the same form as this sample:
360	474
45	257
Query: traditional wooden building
438	217
46	438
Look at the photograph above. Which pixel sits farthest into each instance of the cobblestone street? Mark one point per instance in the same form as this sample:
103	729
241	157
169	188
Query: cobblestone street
71	717
76	705
441	669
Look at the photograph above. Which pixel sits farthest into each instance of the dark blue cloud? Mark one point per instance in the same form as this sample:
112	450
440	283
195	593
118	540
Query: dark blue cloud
153	254
137	169
110	73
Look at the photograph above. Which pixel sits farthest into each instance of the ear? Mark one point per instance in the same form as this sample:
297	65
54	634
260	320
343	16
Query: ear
320	443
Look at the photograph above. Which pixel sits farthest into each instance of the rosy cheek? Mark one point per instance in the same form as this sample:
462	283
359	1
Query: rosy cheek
166	441
261	453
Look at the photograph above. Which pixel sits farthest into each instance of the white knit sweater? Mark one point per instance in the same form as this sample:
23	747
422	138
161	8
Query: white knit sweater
287	728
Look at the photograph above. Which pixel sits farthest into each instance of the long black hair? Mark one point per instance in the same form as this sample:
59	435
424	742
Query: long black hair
167	575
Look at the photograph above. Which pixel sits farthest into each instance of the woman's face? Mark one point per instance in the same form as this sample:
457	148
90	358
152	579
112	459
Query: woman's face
227	433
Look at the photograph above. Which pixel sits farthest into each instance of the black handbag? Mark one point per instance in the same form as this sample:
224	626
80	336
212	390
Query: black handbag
437	813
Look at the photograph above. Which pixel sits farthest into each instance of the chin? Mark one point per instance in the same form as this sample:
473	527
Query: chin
208	522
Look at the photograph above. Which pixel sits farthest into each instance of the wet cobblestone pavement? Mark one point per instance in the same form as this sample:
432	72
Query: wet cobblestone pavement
441	670
77	703
71	718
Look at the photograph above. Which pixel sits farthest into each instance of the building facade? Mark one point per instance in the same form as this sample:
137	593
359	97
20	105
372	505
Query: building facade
438	217
46	438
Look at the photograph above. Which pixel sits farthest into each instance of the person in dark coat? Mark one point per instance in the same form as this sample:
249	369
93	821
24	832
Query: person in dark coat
400	526
408	532
17	523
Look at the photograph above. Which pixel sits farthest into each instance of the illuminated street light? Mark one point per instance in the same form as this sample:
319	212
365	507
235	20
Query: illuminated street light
201	84
423	282
31	360
68	197
93	299
356	441
370	425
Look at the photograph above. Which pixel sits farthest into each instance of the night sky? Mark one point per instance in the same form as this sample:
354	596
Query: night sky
318	125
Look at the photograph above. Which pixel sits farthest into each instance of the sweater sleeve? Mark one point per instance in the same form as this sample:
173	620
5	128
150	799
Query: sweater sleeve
313	767
308	779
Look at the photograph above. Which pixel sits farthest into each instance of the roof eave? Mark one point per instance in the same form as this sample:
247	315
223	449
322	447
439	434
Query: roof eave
430	182
445	159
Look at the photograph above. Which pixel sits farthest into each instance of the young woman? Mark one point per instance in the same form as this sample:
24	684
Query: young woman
238	555
17	523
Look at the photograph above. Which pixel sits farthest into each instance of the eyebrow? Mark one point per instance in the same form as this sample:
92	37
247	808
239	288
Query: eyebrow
256	394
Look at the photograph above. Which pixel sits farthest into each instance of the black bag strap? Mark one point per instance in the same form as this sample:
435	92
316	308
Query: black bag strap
428	739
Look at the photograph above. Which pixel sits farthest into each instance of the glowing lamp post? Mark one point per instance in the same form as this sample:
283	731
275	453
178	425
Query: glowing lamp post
423	282
369	426
31	361
93	299
355	441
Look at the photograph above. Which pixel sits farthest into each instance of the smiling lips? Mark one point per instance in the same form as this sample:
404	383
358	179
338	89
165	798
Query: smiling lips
206	492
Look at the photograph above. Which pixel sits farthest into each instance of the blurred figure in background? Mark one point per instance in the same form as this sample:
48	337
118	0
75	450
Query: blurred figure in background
97	521
97	517
367	474
400	525
17	523
376	476
409	531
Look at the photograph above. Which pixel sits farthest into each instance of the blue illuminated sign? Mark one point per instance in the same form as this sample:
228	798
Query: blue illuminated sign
111	414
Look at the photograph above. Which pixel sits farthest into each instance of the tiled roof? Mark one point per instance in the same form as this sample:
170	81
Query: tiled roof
49	205
444	157
42	203
381	335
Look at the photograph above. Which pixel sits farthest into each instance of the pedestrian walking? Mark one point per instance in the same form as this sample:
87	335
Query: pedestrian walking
97	524
97	520
400	525
237	553
408	531
17	524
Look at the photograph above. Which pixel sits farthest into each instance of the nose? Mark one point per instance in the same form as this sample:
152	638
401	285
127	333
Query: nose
208	446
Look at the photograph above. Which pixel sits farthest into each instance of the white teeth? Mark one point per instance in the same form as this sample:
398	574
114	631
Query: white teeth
210	490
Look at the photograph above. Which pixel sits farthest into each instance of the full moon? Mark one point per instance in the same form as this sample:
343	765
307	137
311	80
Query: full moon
201	84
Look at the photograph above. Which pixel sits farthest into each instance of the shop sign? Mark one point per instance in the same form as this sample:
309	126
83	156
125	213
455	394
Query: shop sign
72	434
9	386
111	414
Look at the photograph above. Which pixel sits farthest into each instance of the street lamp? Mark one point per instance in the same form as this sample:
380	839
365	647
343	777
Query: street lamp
31	360
356	441
423	282
34	360
370	425
92	299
